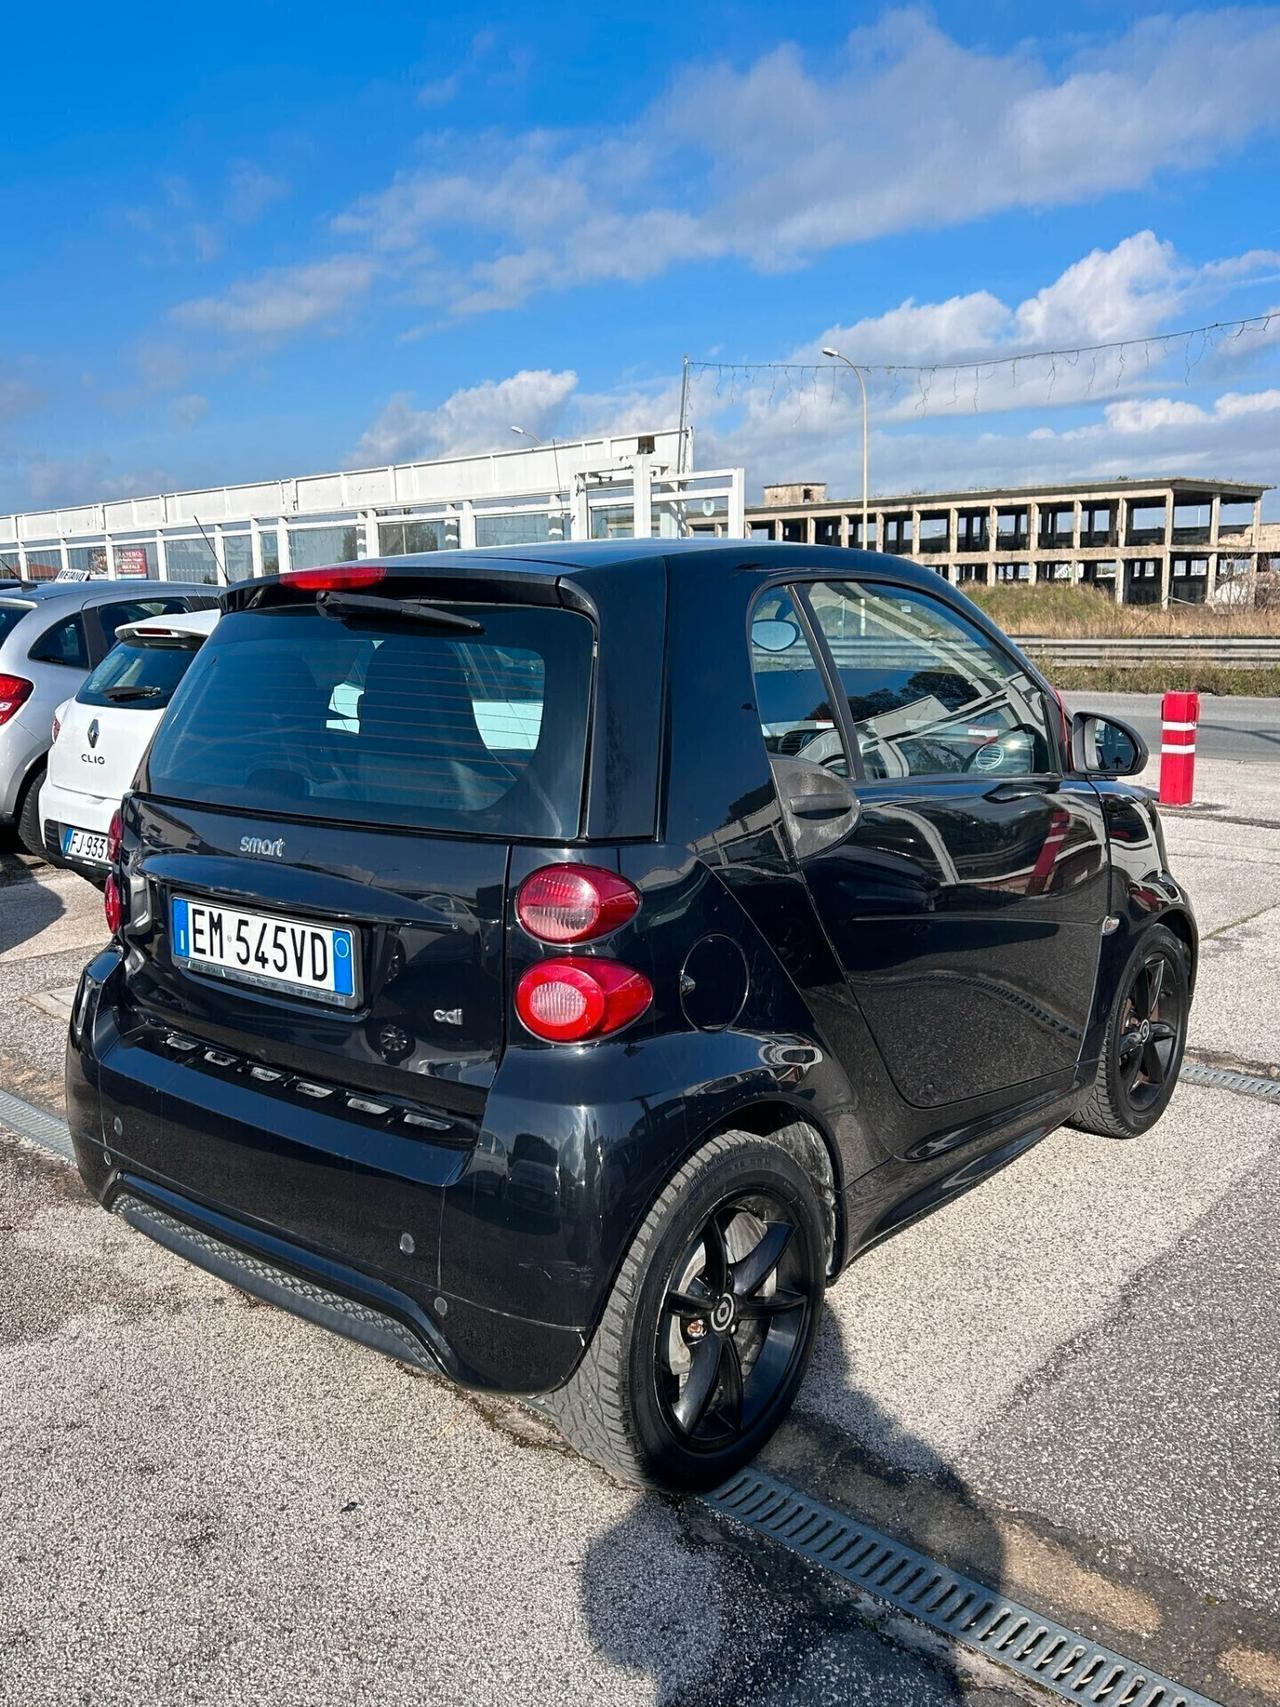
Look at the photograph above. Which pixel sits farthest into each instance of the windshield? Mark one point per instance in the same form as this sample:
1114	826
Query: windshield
144	676
387	721
10	617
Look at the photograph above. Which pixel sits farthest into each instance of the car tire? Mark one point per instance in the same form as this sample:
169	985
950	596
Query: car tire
30	829
670	1393
1138	1070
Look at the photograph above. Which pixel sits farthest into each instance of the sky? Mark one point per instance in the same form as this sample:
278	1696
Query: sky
260	240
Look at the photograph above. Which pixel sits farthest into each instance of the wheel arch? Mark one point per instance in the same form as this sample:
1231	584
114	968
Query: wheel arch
807	1139
1180	922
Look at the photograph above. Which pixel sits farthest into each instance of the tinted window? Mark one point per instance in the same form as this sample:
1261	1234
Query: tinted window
796	719
144	676
929	694
10	617
62	644
390	722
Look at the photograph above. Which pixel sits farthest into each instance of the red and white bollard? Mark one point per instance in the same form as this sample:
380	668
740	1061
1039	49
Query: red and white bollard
1179	715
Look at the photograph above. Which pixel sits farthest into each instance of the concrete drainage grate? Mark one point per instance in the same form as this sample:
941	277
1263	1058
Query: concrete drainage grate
1227	1079
1012	1635
34	1124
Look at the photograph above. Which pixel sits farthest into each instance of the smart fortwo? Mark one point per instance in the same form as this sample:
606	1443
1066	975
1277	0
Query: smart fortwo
554	966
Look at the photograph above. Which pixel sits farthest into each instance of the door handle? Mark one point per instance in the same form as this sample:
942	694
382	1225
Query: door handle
1023	789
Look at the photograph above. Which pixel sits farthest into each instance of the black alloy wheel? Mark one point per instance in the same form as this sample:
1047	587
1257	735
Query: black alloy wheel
1150	1031
712	1317
735	1315
1145	1039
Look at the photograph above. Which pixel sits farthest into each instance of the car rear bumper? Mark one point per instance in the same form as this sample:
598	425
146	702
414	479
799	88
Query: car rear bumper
336	1221
63	806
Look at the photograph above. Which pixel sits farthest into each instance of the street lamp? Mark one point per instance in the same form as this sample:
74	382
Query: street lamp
836	356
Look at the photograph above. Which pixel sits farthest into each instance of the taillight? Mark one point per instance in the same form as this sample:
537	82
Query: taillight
57	726
568	1001
115	838
575	903
14	691
343	577
112	904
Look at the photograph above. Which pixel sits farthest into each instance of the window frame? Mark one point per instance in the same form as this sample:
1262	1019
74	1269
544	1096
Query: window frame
816	641
798	587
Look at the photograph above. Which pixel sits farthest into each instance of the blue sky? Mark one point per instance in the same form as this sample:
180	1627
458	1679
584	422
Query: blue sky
259	240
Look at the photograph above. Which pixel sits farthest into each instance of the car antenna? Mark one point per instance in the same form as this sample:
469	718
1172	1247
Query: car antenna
217	561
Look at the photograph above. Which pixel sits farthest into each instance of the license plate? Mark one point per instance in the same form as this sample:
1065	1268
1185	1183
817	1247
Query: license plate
84	844
295	955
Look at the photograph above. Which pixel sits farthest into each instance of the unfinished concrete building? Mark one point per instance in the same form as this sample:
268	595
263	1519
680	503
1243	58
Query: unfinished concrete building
1145	541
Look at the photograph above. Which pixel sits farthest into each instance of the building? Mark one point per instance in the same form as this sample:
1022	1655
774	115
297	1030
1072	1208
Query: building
596	488
1149	541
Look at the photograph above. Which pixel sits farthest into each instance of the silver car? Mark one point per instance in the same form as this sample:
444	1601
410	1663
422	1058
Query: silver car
52	633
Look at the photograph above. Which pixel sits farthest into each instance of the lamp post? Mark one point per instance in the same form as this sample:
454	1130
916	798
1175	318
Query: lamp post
524	433
835	355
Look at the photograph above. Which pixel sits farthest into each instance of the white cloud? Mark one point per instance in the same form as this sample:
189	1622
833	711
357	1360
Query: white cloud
282	300
478	417
187	411
251	191
901	128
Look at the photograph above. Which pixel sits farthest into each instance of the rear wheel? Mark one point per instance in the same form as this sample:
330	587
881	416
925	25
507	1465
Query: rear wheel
708	1330
1145	1040
30	829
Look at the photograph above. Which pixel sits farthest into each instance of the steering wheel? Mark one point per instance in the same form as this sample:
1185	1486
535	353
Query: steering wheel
1011	748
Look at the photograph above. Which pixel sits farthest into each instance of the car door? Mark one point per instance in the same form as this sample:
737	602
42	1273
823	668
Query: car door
965	899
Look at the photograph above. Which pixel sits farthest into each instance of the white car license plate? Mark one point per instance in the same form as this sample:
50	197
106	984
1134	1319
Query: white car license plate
260	948
84	844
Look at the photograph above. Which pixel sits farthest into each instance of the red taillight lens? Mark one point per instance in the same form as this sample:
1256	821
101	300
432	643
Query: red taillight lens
115	838
568	1001
57	726
112	904
14	691
574	903
343	577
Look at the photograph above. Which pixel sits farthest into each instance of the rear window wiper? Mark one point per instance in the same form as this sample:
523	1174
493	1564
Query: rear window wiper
125	693
343	605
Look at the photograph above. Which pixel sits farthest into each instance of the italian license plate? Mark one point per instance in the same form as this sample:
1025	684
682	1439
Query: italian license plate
84	844
295	955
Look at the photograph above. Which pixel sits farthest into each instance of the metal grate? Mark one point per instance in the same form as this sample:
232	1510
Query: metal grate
1227	1079
34	1124
1012	1635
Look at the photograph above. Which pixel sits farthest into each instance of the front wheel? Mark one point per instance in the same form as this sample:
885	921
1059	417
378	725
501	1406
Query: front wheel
708	1330
1145	1039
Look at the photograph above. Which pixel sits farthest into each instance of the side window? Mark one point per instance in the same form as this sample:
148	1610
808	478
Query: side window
64	643
115	616
928	693
796	718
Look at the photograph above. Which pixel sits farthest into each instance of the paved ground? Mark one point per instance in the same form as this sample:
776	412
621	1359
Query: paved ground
1231	727
1065	1383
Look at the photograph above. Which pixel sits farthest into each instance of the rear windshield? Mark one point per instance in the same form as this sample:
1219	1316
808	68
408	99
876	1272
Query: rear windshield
10	617
141	676
387	722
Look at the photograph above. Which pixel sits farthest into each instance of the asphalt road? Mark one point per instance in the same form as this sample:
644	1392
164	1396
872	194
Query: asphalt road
1064	1383
1231	727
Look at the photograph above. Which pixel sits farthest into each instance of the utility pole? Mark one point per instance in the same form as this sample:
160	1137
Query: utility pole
835	355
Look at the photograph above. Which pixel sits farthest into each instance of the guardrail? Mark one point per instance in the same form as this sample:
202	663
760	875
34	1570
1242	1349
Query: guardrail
1240	650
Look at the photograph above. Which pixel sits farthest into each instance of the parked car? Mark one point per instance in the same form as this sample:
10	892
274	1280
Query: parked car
575	1056
100	735
52	633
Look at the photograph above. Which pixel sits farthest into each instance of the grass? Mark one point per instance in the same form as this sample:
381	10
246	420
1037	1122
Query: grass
1064	612
1262	680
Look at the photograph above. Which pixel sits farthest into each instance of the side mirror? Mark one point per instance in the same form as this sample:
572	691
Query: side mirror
1103	746
774	634
819	807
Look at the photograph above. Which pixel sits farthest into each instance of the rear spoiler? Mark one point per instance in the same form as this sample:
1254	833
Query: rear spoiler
189	631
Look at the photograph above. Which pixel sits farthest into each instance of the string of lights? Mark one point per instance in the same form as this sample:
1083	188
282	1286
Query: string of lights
1209	335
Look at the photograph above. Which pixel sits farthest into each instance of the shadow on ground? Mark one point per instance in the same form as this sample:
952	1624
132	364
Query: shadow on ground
766	1628
26	907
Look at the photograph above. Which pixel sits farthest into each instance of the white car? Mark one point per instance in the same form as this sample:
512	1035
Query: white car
100	736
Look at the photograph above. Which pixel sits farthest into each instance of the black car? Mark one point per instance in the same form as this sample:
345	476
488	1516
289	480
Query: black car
552	967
